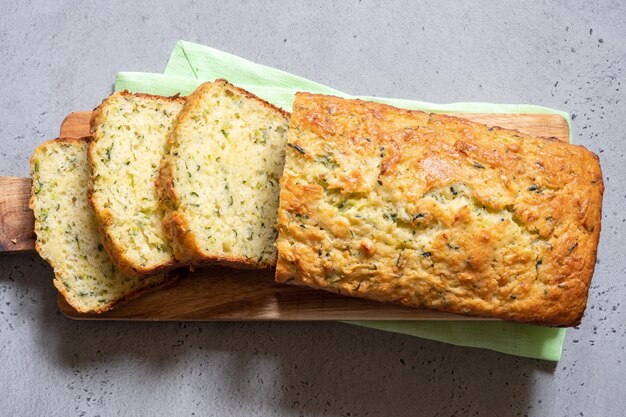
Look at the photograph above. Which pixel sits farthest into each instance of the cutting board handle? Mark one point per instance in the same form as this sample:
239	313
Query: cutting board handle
16	219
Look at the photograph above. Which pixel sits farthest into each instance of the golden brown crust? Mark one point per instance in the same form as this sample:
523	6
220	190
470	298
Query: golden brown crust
436	211
186	247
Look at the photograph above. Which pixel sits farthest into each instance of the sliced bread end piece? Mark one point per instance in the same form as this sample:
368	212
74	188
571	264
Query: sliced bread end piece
129	140
219	180
67	231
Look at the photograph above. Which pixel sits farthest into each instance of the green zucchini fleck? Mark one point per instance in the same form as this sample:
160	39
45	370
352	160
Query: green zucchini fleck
108	151
535	188
297	148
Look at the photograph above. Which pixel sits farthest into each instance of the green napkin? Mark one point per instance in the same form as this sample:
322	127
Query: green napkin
190	64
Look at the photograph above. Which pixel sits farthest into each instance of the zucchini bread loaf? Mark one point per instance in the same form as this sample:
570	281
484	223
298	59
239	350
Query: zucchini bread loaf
219	179
129	140
67	231
435	211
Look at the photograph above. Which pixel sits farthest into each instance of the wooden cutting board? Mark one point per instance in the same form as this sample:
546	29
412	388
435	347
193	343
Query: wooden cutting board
226	294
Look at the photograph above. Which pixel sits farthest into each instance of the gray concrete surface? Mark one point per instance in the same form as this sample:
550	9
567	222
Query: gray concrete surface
62	56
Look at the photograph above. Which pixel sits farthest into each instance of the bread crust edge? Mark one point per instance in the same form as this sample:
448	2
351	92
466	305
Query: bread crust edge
186	247
168	279
573	302
103	216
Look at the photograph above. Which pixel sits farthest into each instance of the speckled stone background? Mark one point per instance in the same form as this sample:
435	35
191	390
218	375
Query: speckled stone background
59	56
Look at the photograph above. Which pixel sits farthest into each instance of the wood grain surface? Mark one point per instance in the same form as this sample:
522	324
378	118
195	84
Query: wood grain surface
226	294
223	294
16	219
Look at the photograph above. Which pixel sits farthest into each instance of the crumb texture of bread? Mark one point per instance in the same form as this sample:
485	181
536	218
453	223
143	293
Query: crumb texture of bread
67	230
220	179
435	211
129	140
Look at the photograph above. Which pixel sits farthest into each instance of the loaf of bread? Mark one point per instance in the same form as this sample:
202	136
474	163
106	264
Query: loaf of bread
129	140
435	211
219	180
67	231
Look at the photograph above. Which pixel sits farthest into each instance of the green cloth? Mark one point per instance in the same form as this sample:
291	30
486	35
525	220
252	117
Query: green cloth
190	64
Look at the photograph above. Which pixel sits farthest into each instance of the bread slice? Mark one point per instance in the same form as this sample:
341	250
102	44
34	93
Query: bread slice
219	180
67	231
129	140
436	211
